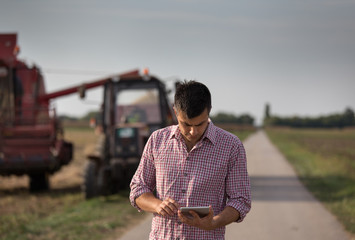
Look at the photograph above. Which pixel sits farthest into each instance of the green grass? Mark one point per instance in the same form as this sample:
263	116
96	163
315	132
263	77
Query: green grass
243	134
325	162
241	131
97	218
62	213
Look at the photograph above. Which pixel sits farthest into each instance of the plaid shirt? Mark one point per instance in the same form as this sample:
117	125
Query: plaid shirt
213	173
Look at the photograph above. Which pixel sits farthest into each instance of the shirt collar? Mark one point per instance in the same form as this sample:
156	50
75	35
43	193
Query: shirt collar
209	134
175	132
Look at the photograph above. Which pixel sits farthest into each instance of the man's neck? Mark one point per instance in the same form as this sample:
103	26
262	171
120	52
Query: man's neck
189	146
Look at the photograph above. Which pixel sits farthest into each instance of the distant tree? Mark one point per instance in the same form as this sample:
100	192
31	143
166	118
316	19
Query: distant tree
267	110
223	117
245	119
66	117
90	115
329	121
349	117
267	114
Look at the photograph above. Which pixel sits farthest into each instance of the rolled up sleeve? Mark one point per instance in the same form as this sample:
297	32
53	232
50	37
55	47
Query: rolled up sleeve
143	180
238	182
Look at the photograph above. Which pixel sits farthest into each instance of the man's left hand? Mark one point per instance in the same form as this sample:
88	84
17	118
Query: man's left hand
205	223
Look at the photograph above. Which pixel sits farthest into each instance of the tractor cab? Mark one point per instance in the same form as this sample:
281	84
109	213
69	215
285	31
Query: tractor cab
139	111
133	108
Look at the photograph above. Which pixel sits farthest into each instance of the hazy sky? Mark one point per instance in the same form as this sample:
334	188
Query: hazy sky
298	56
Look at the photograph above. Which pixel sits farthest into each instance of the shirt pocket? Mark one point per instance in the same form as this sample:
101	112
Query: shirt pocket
166	163
168	168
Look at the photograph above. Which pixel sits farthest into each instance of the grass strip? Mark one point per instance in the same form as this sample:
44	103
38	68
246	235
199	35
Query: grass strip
324	162
98	218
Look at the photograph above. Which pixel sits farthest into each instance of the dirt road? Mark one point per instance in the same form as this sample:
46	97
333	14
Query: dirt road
281	209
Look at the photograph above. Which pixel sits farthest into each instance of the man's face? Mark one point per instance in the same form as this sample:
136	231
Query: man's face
192	129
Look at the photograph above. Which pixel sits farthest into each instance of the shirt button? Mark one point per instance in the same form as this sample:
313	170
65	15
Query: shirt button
185	174
183	190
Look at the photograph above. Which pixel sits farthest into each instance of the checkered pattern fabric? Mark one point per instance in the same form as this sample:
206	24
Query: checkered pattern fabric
213	173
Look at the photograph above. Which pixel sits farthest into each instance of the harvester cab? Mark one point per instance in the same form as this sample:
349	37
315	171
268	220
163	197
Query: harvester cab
134	106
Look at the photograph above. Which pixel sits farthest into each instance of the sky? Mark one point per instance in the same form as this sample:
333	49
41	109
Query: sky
296	56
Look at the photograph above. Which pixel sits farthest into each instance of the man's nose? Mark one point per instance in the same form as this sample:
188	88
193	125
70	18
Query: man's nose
193	131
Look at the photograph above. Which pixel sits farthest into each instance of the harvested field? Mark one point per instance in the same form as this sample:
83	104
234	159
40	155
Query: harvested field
63	213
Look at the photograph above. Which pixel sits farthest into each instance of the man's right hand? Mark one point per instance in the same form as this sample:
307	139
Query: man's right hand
168	207
149	203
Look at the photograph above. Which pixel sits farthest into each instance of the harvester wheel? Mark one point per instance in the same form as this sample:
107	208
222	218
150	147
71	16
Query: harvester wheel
90	186
39	182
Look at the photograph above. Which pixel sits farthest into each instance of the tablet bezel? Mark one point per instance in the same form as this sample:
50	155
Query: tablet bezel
202	211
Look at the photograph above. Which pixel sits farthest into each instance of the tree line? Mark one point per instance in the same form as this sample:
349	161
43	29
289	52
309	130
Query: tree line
337	120
221	117
230	118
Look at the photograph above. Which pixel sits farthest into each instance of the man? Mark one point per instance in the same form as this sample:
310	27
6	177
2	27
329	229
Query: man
192	164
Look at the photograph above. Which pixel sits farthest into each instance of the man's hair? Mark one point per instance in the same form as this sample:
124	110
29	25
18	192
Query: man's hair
192	98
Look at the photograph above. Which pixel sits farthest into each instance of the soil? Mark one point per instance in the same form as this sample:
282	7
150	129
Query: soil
14	190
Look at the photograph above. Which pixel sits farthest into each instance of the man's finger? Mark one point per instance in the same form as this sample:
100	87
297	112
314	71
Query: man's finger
172	204
169	206
194	214
184	218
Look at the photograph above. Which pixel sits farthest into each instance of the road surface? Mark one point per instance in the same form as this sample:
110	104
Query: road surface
281	207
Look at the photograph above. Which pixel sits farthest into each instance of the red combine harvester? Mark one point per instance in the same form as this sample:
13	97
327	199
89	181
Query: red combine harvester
31	138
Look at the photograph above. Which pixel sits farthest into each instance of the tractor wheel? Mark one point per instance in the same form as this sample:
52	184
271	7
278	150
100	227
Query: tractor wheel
90	187
130	170
117	180
39	182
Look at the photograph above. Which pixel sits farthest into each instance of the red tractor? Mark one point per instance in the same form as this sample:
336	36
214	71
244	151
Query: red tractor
31	138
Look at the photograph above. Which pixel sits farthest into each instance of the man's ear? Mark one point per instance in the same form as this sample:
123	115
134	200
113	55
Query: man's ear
175	111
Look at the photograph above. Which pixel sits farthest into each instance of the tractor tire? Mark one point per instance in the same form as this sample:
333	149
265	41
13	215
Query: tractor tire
39	182
130	170
90	187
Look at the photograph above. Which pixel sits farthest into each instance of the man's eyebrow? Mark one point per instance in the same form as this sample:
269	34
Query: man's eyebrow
201	123
196	124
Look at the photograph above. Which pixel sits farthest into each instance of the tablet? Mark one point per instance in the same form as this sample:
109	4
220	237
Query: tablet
201	211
